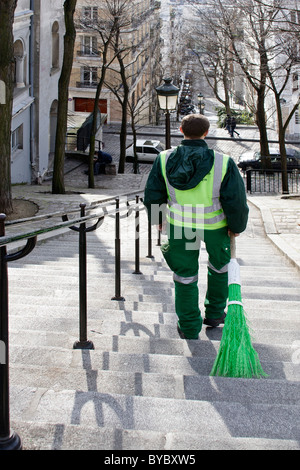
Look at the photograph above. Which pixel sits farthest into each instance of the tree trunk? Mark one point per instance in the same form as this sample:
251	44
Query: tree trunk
7	9
282	148
123	133
58	185
261	124
95	120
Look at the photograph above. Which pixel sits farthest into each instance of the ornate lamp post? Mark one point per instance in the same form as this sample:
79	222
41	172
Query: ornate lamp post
167	99
200	103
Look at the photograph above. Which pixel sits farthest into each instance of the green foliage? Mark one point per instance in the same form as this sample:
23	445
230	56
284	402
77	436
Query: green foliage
241	116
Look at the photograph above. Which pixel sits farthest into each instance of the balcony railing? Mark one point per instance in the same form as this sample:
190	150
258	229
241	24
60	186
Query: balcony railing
86	84
270	181
88	53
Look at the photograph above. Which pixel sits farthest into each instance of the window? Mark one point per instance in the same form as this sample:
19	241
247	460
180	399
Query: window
150	150
295	82
55	45
90	14
90	76
17	139
20	64
89	45
297	117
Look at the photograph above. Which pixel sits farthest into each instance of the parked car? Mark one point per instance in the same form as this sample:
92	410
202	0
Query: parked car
246	162
147	150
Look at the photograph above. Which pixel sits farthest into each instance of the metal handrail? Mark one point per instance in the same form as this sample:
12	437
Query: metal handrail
5	240
93	205
10	440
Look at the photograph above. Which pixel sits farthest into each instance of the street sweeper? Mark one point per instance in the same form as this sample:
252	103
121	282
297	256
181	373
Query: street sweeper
197	195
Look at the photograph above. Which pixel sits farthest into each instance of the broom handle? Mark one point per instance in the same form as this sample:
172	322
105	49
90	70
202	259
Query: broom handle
232	246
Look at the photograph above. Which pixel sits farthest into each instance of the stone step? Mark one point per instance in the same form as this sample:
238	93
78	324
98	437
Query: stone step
249	276
127	322
62	298
99	252
44	436
145	340
95	409
149	384
134	286
277	361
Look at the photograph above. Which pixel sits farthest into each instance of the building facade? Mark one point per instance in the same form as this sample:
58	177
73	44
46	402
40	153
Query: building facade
21	150
38	50
139	41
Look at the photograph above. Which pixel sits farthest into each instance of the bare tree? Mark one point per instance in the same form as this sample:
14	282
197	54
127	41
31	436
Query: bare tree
274	40
7	8
212	50
136	108
123	80
281	63
58	186
107	28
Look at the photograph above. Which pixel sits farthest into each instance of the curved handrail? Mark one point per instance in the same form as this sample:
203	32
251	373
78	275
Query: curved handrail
99	205
92	206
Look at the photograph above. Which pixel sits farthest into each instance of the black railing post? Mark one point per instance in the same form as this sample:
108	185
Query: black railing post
9	440
248	180
117	254
137	239
83	342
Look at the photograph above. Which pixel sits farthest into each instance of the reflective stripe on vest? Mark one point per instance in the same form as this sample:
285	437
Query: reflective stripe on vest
197	215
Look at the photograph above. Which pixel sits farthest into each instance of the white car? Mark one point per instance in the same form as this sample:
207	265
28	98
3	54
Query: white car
147	150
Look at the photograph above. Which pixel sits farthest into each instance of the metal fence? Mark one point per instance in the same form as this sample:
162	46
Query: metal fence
270	181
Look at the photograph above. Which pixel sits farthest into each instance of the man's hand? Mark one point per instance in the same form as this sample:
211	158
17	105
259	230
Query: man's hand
232	233
162	227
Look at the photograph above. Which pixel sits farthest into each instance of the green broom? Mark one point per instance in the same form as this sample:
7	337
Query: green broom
236	356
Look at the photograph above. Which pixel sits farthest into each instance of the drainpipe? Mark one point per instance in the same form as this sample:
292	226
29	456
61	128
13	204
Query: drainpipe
31	80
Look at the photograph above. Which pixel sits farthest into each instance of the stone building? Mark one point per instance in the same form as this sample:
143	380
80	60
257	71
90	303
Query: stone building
140	48
38	51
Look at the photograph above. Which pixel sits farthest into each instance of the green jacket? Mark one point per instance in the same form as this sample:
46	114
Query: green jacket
186	167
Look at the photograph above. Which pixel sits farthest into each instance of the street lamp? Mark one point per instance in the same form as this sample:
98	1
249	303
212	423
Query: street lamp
167	99
200	103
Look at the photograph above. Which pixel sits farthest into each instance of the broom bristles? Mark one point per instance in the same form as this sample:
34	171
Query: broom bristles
236	356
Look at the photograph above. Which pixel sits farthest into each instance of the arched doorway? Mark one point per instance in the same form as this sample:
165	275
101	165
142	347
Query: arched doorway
20	64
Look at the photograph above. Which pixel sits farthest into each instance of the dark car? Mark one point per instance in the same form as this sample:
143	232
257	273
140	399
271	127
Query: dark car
255	163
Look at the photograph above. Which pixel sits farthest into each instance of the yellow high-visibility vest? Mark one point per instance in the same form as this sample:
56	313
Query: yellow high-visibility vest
199	207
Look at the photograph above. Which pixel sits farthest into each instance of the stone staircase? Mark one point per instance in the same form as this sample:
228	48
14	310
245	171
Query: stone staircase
143	387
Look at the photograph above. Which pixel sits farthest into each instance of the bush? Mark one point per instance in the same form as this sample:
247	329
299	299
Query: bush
241	117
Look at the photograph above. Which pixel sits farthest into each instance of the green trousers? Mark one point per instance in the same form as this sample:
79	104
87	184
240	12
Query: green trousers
181	253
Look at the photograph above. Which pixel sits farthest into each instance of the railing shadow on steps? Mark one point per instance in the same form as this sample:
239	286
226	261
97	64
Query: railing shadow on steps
117	207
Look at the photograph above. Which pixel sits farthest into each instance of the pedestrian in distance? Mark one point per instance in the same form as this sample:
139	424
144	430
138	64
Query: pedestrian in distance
103	159
199	196
227	123
232	126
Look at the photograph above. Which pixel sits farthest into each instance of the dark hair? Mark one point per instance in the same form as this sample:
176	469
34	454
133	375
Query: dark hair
195	125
